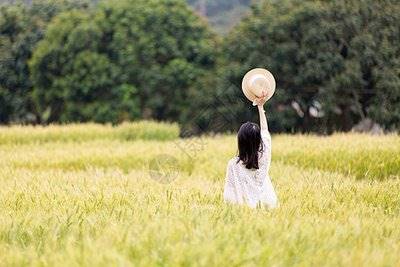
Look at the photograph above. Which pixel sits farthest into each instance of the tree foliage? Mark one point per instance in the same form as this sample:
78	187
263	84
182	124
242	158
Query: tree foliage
126	59
335	62
21	27
366	82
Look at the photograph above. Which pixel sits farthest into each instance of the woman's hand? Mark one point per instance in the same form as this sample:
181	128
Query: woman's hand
260	101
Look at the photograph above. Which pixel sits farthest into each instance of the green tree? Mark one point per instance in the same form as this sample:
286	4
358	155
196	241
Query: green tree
366	80
335	62
21	27
146	57
281	37
74	80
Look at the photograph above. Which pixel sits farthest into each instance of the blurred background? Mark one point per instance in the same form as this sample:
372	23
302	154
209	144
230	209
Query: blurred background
337	63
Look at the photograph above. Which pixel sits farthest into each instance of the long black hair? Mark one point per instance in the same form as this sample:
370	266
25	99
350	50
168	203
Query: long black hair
249	144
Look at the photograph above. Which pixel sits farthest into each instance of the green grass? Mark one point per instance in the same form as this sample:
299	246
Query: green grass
144	130
362	156
93	201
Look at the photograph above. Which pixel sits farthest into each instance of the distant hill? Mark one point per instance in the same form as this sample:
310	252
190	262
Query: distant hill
221	14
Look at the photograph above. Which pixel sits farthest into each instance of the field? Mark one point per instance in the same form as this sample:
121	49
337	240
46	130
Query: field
137	195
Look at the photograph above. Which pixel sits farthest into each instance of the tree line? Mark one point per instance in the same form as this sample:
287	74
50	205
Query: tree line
336	63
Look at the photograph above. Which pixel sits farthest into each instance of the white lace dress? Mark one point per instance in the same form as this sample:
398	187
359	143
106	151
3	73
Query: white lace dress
251	187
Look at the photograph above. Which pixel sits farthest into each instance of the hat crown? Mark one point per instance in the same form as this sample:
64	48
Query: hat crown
259	82
256	82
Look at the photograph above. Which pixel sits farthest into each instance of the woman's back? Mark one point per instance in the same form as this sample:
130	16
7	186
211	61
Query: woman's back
251	186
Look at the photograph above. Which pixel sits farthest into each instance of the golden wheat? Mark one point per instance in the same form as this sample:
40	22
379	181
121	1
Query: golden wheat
95	202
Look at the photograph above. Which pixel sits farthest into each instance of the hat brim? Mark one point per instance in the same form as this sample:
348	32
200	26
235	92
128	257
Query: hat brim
246	85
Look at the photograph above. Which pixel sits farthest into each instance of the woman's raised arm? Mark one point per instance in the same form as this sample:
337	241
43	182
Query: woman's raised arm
260	105
263	118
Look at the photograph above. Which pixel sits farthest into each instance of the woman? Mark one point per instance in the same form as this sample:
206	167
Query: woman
247	178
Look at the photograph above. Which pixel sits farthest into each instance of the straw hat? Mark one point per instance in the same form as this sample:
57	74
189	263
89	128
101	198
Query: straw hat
257	80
